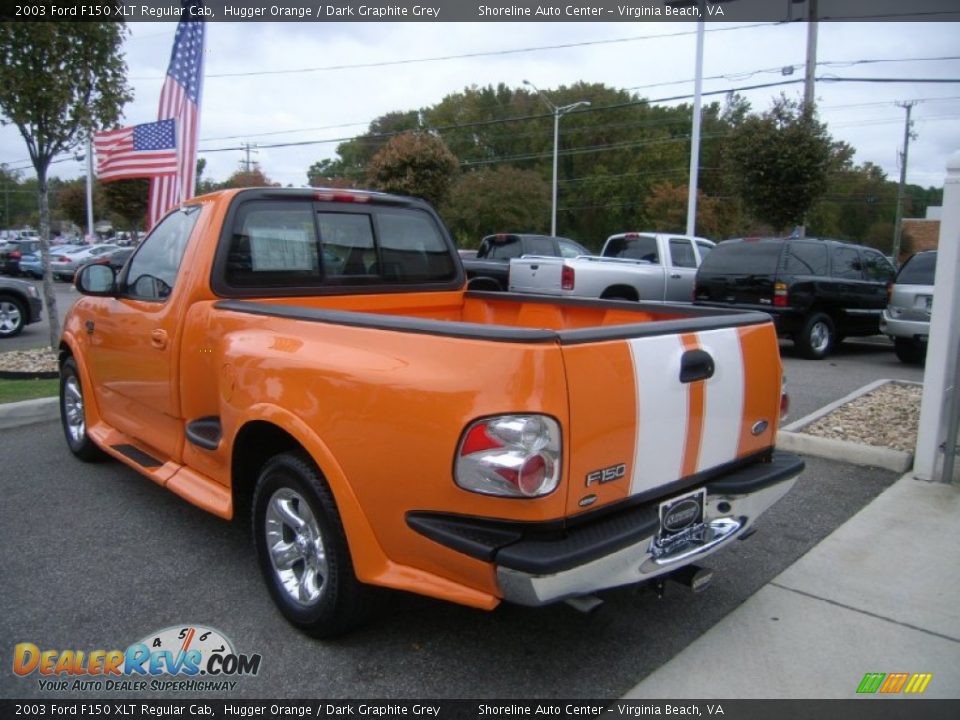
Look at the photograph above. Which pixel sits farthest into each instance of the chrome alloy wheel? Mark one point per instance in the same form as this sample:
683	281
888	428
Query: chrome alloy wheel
73	408
10	317
295	546
819	337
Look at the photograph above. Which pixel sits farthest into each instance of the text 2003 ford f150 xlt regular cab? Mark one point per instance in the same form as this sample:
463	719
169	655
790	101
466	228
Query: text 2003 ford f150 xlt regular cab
311	360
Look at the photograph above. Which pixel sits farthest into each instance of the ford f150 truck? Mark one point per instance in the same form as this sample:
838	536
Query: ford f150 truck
652	267
311	362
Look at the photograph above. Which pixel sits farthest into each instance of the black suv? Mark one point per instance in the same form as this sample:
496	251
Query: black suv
818	291
12	251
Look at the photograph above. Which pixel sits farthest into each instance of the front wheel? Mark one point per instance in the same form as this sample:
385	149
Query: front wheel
73	414
817	337
302	548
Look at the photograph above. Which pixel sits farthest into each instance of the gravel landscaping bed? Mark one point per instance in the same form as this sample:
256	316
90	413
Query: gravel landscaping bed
29	363
885	417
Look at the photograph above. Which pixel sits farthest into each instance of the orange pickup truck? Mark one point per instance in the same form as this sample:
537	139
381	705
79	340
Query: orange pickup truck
311	361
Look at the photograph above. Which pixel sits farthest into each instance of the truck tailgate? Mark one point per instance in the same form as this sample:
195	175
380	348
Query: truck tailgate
536	275
653	415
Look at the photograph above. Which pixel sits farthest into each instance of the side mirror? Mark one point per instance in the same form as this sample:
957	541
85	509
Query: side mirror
97	280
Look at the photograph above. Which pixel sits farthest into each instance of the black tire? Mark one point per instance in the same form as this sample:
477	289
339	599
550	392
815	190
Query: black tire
318	592
13	316
909	351
817	338
73	415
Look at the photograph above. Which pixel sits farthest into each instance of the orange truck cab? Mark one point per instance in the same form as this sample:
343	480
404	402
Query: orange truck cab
313	362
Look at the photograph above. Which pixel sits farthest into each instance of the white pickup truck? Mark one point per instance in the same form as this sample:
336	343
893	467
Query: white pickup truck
632	266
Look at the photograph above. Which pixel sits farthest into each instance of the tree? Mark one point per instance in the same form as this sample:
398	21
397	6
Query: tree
127	202
667	210
780	162
504	199
414	163
59	83
249	178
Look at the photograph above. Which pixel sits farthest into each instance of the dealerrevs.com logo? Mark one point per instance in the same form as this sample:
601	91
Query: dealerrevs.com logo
187	658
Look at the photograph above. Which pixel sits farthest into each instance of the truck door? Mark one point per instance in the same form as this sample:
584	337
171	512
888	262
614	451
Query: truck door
681	271
134	343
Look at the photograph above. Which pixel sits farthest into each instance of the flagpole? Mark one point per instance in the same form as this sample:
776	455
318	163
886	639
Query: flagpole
89	187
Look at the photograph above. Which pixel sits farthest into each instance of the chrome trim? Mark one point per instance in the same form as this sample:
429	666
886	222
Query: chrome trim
644	560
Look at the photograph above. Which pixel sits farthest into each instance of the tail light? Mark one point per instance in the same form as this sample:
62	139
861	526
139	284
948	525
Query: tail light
568	278
510	456
889	292
15	255
780	294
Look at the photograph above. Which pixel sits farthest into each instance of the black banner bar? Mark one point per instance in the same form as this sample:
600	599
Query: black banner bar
857	709
307	11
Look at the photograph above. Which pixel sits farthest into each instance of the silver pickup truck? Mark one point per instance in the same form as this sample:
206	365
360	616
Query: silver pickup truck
632	266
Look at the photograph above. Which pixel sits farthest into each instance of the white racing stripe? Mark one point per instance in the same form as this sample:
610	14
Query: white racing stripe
724	396
662	404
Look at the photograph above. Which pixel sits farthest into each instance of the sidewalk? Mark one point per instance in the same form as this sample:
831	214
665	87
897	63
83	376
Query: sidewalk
881	594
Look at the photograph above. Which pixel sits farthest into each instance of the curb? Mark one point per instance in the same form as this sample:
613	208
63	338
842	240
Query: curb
28	412
792	438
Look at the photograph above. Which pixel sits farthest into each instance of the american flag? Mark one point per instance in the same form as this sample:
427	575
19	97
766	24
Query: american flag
146	150
180	100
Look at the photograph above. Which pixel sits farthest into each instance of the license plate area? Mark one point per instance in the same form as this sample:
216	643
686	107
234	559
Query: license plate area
682	520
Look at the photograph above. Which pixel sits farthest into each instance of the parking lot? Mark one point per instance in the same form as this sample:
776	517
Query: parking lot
97	557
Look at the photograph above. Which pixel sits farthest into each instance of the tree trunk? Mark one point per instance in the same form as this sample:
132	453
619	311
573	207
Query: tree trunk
49	296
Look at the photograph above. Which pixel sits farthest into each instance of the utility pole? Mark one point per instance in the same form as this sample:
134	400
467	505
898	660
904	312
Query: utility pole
897	229
810	75
247	163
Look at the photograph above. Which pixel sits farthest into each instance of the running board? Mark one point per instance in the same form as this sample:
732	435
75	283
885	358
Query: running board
137	455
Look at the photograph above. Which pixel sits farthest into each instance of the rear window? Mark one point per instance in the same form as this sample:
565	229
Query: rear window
277	244
641	247
743	258
918	270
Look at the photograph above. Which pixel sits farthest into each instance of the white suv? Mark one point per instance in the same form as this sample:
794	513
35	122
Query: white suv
906	319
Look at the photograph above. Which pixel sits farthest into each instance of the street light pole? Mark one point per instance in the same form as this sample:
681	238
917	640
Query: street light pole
557	113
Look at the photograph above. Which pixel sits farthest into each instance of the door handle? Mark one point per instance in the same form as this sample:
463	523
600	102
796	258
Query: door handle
158	339
675	276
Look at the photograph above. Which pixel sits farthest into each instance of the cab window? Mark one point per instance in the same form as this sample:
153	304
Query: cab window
153	270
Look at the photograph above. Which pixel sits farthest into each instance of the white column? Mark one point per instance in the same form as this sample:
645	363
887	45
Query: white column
939	391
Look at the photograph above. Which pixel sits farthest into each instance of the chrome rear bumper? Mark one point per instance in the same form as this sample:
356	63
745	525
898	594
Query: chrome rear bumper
646	559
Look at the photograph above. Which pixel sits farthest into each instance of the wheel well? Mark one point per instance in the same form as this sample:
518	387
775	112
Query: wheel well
63	353
257	442
620	292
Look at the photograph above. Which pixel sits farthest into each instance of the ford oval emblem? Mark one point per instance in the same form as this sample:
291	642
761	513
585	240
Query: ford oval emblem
682	515
759	427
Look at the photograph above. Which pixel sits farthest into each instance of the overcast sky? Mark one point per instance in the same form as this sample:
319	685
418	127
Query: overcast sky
656	59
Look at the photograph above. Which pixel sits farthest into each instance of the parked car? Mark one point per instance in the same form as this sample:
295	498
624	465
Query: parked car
492	262
817	290
12	251
115	259
31	265
20	305
64	263
647	267
906	319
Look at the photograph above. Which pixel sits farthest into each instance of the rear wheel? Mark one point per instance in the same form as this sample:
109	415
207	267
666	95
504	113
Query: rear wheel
909	351
817	337
73	414
13	316
302	548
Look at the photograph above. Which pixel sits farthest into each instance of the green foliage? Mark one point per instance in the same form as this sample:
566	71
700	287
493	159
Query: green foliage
501	199
59	82
414	163
126	202
780	162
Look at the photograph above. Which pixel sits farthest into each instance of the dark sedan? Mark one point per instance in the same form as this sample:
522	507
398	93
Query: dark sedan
20	305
